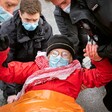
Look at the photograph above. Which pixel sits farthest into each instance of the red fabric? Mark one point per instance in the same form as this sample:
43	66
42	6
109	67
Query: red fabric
3	56
18	72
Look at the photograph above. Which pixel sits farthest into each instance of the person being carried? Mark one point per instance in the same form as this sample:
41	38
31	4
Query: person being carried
54	79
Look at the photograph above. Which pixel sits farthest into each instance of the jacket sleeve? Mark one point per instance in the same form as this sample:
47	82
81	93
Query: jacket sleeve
17	72
105	51
98	76
9	28
11	89
10	56
48	32
65	25
3	56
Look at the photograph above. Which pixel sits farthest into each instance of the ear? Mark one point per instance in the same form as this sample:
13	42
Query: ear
48	56
71	59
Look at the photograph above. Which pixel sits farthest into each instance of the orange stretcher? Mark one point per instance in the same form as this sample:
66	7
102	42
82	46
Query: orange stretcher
43	101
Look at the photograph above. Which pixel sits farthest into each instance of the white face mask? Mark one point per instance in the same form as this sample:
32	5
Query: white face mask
67	9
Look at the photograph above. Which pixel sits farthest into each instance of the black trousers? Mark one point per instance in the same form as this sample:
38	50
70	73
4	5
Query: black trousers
108	97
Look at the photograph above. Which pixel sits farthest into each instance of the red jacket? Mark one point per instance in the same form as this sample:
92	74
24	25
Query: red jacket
18	72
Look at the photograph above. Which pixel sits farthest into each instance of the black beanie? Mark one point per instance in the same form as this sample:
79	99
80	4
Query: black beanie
60	41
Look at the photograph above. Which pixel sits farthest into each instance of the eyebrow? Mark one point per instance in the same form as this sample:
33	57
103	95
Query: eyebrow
63	2
12	4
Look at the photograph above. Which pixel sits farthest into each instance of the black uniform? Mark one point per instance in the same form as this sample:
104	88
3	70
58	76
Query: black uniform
24	44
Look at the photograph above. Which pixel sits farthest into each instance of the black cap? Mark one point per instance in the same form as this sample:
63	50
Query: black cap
60	41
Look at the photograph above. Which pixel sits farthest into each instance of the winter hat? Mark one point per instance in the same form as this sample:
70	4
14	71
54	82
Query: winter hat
60	41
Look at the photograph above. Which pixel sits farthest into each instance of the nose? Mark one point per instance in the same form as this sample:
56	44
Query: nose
61	6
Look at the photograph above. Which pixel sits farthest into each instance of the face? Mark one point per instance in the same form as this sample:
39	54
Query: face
9	5
61	3
61	52
29	18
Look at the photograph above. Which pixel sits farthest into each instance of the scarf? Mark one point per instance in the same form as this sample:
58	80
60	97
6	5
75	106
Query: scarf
47	73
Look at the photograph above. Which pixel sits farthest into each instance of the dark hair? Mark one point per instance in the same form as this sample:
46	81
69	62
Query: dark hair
30	6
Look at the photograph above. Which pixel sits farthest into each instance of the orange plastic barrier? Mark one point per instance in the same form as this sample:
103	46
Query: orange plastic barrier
43	101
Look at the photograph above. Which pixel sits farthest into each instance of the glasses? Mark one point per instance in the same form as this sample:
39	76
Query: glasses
64	54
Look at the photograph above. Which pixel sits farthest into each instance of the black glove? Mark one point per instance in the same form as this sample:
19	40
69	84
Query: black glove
4	42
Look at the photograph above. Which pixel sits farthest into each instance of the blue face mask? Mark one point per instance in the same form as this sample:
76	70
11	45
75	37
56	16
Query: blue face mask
30	26
57	61
67	9
4	15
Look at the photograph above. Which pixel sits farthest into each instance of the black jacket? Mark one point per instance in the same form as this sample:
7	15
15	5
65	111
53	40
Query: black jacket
99	18
98	13
25	44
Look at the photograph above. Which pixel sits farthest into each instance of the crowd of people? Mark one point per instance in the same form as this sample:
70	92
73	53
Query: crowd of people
38	68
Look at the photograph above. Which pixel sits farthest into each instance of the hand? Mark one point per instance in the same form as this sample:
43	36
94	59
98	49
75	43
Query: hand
91	51
4	42
11	98
83	87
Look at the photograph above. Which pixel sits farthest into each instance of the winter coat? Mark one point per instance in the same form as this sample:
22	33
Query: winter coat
18	72
25	44
97	14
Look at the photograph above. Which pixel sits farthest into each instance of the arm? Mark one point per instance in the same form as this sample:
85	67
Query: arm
10	91
101	74
17	72
11	54
48	33
8	28
65	26
105	51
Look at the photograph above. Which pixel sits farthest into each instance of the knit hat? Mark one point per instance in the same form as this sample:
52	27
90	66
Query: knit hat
60	41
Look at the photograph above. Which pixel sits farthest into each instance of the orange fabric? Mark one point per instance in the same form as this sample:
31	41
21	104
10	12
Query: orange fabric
43	101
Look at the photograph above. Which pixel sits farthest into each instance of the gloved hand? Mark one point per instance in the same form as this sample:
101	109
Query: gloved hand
4	42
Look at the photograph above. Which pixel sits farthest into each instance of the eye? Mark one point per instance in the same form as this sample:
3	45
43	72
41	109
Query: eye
65	54
27	20
9	5
55	53
35	20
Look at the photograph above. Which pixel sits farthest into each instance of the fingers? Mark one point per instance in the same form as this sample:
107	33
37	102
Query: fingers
11	98
6	39
91	52
4	42
83	87
91	49
87	50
